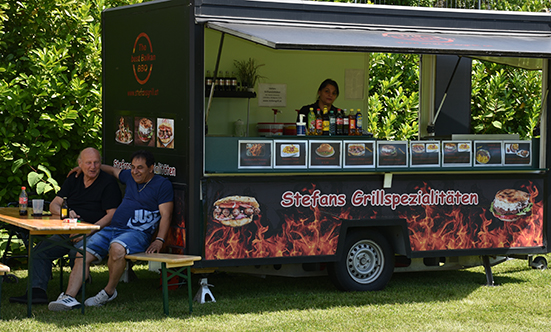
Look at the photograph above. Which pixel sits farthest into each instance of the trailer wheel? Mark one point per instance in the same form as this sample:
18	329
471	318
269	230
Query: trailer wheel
539	263
367	263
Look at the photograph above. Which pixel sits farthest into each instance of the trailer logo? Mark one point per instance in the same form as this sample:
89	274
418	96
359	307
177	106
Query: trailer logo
418	37
142	58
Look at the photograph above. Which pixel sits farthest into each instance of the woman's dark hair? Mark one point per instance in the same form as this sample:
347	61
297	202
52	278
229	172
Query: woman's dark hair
145	155
326	83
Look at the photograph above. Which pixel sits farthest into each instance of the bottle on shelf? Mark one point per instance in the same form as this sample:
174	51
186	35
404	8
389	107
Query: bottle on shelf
221	81
319	123
339	122
64	213
216	82
23	202
233	82
359	124
228	82
311	122
344	122
332	123
351	123
325	122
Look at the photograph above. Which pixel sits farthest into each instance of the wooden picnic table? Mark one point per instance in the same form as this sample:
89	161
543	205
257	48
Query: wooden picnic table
40	227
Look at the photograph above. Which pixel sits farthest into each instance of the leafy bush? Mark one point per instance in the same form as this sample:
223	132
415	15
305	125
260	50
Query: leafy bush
393	96
50	88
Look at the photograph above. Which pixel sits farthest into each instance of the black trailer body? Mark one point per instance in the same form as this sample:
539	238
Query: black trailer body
360	222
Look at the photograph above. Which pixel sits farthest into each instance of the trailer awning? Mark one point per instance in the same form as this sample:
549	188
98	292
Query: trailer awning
357	38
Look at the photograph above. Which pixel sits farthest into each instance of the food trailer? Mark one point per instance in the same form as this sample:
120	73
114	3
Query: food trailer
356	208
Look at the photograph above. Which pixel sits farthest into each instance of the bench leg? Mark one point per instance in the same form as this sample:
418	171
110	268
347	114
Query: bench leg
165	287
165	278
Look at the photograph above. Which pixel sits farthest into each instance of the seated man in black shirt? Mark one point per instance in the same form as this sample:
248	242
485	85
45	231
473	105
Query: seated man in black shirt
92	197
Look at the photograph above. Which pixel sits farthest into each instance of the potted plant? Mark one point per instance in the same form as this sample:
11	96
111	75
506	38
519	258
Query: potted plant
247	71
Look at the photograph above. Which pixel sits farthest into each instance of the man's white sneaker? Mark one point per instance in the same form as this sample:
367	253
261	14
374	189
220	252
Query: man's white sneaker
64	302
100	299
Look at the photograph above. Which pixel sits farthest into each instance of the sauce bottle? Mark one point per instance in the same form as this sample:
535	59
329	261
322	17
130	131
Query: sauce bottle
319	123
359	123
340	122
332	123
325	118
351	123
345	122
311	129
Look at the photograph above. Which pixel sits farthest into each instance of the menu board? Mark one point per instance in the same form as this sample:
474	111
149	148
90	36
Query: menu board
325	154
359	154
517	153
255	154
392	153
457	153
290	154
424	153
488	153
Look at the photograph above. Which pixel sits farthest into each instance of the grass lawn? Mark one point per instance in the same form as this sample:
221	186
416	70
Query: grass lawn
435	301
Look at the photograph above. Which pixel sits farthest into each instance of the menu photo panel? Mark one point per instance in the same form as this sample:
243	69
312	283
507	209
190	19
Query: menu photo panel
517	153
290	154
325	154
488	153
424	153
392	153
359	154
457	153
254	154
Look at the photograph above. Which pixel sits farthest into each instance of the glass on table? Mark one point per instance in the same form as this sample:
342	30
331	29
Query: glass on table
38	207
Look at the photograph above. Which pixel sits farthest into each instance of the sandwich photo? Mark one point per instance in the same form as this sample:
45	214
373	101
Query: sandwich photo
450	147
417	147
388	150
235	211
145	130
325	150
356	149
511	205
164	133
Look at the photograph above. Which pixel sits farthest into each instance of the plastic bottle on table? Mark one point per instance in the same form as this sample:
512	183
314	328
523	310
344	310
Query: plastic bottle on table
23	202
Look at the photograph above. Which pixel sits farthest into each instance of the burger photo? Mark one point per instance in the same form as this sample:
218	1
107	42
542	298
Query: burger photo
388	150
145	130
511	205
235	211
325	150
450	147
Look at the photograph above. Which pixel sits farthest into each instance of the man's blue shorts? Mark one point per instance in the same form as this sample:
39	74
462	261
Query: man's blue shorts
132	240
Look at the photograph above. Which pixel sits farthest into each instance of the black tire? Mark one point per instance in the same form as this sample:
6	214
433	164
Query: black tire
539	263
366	264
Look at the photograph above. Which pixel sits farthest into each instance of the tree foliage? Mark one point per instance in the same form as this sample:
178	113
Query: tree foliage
50	86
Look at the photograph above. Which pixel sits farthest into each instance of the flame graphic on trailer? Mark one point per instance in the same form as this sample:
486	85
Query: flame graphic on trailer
305	219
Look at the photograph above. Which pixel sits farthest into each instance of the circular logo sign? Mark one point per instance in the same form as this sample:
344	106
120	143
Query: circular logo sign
142	58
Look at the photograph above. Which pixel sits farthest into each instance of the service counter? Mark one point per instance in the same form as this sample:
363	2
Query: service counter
357	154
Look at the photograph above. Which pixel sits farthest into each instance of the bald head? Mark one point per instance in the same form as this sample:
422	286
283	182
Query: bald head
89	161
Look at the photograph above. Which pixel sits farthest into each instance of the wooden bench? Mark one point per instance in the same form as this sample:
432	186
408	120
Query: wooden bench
177	264
3	270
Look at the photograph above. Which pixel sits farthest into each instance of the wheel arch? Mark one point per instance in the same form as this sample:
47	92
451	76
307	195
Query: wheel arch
394	230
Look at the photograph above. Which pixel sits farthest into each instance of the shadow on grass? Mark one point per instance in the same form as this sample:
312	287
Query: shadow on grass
141	299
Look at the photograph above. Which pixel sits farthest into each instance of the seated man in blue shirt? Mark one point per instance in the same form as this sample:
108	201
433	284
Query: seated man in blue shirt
147	206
